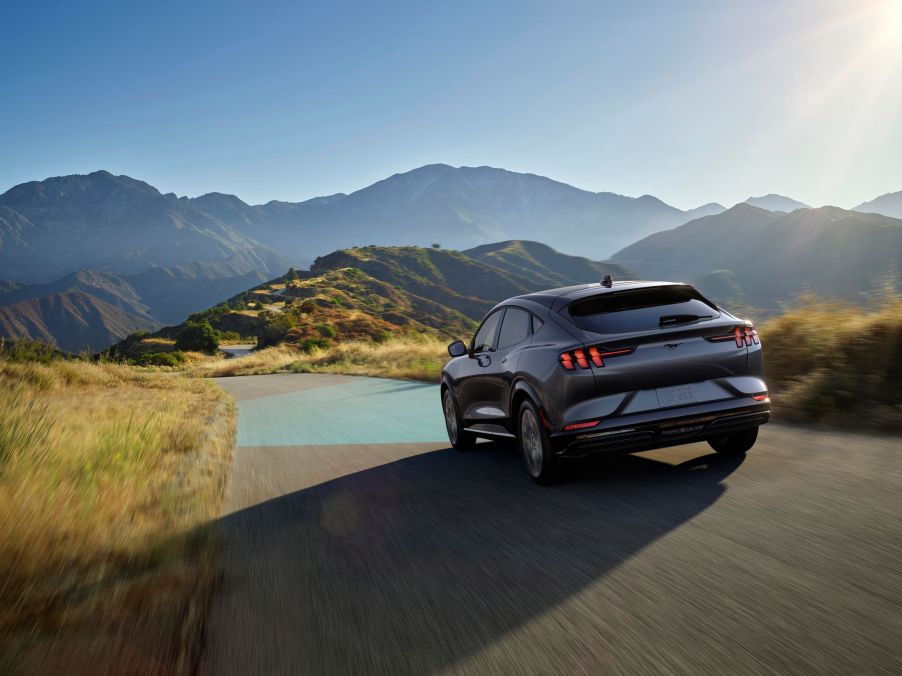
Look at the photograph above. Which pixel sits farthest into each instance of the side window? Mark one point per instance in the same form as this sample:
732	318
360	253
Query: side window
515	328
485	337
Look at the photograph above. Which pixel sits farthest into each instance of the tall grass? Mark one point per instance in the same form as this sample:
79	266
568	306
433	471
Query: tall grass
835	363
414	358
108	475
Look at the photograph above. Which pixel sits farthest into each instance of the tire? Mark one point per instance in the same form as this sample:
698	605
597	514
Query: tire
460	440
541	462
734	443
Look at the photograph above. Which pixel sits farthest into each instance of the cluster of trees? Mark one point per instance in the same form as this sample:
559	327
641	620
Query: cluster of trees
198	336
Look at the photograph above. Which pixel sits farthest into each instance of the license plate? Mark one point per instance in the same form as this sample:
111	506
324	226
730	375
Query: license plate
675	396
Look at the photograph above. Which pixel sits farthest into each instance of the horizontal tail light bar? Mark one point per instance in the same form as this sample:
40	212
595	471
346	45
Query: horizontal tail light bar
581	358
581	425
741	335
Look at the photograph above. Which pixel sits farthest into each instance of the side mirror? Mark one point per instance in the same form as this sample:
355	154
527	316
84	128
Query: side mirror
457	348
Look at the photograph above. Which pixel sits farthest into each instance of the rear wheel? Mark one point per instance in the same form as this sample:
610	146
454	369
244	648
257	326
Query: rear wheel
542	464
735	443
460	440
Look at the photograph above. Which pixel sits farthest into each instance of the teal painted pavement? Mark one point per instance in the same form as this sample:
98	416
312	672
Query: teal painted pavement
357	411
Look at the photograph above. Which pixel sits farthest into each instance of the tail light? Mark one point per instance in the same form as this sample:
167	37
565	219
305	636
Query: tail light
581	358
741	335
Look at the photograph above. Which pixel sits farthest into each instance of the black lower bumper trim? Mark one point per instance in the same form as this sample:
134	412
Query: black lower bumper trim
662	433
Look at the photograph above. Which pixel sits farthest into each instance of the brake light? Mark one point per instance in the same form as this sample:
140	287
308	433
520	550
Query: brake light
573	358
741	335
581	426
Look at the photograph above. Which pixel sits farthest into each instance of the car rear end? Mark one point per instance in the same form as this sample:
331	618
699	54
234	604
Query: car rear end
651	365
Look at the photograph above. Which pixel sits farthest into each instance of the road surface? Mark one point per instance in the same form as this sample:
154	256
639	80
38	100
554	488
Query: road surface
358	542
237	350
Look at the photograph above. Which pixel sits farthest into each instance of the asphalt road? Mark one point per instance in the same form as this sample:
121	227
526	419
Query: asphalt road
358	542
237	350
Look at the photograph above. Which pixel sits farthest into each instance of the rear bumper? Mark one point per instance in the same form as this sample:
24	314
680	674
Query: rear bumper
645	431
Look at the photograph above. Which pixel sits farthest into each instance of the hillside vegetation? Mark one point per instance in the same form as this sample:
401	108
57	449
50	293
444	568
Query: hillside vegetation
374	293
108	475
835	363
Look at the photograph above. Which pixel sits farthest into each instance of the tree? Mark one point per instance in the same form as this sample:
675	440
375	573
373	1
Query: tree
436	246
198	336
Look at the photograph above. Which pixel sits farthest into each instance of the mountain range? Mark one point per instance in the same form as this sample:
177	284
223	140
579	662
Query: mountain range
760	258
149	258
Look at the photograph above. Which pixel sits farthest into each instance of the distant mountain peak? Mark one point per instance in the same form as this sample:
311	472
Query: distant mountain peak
775	202
889	204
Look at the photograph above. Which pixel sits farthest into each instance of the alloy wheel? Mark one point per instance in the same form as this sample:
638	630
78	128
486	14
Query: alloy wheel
531	441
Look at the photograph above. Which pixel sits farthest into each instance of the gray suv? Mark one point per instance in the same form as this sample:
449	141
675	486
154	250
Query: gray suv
615	366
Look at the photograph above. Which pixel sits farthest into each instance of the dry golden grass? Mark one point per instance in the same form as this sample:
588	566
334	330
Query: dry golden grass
406	358
413	358
835	363
108	474
267	360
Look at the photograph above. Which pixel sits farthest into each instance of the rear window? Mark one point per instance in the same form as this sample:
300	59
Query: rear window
641	309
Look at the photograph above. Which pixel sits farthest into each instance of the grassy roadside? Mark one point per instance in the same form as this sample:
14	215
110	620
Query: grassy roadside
109	478
837	364
419	358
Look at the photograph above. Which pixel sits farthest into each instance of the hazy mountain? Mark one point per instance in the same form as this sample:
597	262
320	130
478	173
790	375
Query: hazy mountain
889	204
760	258
467	206
110	223
709	209
774	202
118	224
149	299
72	321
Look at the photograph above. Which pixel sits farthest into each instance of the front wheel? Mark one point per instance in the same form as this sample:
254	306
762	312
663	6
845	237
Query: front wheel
735	443
460	440
541	462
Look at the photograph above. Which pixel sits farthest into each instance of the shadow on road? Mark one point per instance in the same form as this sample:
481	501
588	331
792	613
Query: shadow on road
412	566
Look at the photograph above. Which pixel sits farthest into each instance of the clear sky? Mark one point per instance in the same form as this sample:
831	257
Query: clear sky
689	101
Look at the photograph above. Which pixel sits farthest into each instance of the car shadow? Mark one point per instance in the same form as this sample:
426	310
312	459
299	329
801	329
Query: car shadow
414	565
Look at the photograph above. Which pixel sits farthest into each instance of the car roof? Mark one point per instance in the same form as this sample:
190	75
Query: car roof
556	298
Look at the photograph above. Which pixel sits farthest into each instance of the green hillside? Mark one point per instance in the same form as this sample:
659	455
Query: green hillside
375	292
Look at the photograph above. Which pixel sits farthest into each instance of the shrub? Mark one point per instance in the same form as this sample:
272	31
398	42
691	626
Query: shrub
176	358
308	306
310	344
28	351
198	335
325	330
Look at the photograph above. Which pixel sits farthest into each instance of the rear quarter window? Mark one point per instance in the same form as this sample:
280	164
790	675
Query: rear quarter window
639	309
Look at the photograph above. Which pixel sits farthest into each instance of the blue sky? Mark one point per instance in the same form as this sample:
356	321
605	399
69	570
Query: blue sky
690	101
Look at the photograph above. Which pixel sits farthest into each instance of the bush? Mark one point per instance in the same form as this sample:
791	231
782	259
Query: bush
308	306
232	336
199	336
176	358
310	344
325	330
28	351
